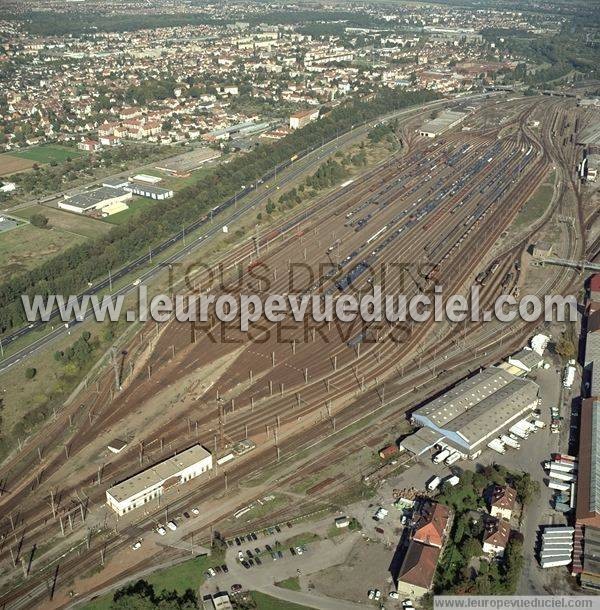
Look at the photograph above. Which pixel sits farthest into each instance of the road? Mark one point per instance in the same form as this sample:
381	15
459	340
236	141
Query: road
252	196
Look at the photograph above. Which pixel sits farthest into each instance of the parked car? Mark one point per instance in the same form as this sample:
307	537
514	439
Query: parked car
246	564
289	524
136	545
394	594
258	561
269	548
249	553
273	557
186	515
240	556
161	530
257	551
251	562
299	550
236	588
280	554
238	541
254	536
172	525
277	529
292	550
377	594
195	512
225	569
212	571
379	530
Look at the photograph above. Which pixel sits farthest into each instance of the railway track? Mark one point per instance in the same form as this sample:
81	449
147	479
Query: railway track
387	360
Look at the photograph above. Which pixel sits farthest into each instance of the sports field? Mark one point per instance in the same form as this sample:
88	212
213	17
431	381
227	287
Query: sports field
48	152
22	160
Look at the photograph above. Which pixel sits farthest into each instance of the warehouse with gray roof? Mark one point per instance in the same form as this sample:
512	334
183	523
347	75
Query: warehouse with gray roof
443	122
471	413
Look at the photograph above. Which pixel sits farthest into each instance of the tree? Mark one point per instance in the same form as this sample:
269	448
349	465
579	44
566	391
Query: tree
39	220
30	373
141	596
565	348
526	488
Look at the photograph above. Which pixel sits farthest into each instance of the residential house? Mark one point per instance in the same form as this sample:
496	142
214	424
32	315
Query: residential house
495	536
502	501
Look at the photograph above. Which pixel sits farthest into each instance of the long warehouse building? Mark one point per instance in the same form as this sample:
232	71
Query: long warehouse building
152	482
471	413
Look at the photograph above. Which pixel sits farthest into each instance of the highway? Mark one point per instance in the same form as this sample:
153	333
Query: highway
248	199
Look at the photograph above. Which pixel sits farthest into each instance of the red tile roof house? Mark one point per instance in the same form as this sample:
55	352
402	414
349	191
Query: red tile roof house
415	577
432	524
502	501
495	536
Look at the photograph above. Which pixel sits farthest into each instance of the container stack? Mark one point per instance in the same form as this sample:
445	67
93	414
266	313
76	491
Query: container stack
557	546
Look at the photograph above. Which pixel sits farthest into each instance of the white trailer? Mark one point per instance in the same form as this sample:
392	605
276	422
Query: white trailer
510	442
518	431
561	467
560	485
434	483
453	457
497	445
556	562
441	456
569	376
527	425
538	423
561	476
452	480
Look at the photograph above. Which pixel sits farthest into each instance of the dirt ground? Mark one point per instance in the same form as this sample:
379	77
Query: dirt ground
10	164
366	568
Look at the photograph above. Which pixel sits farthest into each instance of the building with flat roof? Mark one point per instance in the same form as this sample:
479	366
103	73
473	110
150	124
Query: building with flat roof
445	121
149	191
94	200
475	410
588	479
152	482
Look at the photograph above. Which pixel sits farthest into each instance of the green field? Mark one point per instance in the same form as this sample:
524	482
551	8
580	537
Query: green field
175	183
70	222
266	602
26	247
48	152
292	583
537	204
179	578
136	205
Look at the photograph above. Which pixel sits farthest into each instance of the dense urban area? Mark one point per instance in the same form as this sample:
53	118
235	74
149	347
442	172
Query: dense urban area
310	149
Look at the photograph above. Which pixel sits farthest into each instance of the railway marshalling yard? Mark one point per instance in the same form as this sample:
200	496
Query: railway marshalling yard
306	395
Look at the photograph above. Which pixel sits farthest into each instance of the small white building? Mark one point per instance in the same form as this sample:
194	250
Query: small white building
152	482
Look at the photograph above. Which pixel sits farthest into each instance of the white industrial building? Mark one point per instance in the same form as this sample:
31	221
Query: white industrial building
97	199
152	482
147	190
473	412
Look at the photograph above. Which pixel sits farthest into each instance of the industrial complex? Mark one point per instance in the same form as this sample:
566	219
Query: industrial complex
471	413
